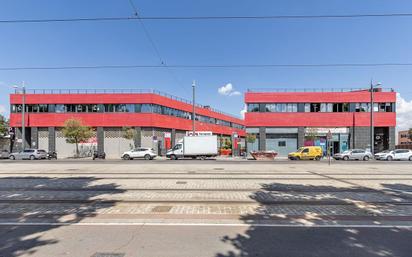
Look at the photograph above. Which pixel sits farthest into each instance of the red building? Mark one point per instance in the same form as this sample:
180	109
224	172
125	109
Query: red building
158	118
284	120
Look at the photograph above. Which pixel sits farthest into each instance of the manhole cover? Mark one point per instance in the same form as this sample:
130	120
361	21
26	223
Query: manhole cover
108	255
161	208
181	182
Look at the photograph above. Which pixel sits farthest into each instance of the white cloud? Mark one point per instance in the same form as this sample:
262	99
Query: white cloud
2	109
243	111
403	113
228	90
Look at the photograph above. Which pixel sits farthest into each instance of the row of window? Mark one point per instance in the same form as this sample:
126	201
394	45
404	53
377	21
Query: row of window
321	107
121	108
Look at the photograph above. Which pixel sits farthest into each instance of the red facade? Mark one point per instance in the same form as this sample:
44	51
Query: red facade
319	119
119	119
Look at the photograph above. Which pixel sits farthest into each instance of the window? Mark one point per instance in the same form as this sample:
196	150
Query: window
315	107
326	107
281	107
340	107
306	150
253	107
282	143
362	107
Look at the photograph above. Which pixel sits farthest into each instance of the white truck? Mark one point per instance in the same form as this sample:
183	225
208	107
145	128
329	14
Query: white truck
194	147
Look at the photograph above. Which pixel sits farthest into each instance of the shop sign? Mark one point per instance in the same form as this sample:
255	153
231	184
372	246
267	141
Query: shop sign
326	130
168	135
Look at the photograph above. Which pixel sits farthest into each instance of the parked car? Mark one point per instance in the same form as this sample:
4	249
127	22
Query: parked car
307	153
4	154
354	154
382	155
142	152
399	154
29	154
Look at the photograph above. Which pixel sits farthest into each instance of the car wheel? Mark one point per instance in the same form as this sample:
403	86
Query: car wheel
366	158
203	158
32	157
297	158
126	157
317	158
410	158
345	158
173	157
12	157
390	158
147	157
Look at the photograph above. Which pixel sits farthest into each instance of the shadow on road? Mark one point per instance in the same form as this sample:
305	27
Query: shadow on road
17	240
308	240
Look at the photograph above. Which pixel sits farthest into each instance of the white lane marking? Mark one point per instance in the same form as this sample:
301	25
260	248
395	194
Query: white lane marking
197	224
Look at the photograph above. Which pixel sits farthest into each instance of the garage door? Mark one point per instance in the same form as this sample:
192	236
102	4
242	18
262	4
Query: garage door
282	146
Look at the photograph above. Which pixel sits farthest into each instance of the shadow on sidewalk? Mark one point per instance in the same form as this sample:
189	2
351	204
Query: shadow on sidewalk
17	240
300	237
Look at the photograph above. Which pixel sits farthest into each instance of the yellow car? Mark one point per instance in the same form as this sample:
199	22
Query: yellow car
307	153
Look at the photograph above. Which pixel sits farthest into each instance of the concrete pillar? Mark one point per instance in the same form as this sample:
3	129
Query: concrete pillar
100	140
17	146
34	138
173	137
138	137
392	138
301	136
352	143
262	138
52	139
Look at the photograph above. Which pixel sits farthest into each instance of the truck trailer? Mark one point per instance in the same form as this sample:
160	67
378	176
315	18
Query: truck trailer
194	147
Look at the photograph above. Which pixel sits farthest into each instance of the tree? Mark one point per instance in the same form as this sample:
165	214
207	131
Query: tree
129	134
251	138
75	132
4	126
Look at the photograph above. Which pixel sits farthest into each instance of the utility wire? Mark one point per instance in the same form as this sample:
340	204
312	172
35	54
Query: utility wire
264	17
229	66
153	44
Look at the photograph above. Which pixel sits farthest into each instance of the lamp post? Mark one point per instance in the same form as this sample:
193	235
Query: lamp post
194	108
23	114
372	129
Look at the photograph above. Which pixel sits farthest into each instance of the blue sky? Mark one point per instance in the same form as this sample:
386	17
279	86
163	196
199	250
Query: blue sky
365	40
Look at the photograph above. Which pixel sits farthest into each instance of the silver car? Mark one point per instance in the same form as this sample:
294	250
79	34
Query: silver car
355	154
29	154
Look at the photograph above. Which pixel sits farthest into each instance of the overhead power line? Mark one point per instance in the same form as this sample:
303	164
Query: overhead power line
196	66
153	44
263	17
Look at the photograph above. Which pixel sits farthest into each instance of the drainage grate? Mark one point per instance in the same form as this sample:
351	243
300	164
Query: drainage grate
108	255
161	208
71	169
219	169
181	182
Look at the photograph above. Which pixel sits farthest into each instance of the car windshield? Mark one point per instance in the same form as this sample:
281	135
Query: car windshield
345	152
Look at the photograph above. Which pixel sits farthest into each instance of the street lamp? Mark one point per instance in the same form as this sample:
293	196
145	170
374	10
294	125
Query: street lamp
372	129
23	112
